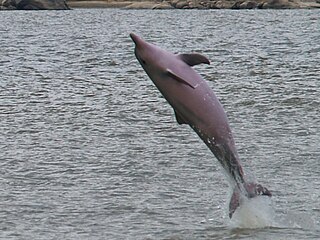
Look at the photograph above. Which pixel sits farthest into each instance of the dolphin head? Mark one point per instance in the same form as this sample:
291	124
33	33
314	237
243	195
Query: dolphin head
162	65
148	55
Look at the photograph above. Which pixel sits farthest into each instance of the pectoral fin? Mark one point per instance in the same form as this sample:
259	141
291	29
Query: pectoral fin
179	79
179	118
193	58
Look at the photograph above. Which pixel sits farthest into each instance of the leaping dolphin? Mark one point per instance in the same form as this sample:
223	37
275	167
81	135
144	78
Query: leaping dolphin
195	104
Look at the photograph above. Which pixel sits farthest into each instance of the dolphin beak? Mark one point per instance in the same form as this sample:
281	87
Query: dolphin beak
135	38
139	42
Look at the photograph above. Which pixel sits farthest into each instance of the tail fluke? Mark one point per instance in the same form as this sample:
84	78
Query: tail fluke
251	190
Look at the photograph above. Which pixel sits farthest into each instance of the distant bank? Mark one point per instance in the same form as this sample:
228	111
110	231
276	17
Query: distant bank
157	4
195	4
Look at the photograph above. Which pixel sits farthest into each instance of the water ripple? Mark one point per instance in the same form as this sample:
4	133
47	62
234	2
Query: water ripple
89	148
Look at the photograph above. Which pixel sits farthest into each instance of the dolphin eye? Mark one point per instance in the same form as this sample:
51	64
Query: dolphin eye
143	61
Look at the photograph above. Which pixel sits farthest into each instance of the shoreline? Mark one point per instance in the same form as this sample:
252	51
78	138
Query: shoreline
157	4
195	4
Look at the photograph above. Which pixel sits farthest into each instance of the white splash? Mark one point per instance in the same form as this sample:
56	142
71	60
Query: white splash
254	213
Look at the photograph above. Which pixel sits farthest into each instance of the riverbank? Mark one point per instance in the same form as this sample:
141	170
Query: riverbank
196	4
157	4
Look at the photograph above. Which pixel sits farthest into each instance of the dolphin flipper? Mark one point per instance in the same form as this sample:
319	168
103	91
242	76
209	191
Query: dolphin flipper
179	79
179	118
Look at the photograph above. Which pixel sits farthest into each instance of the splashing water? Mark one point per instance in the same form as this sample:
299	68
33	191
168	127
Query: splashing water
259	212
254	213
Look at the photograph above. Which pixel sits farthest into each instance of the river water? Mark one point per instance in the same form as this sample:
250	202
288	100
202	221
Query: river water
90	150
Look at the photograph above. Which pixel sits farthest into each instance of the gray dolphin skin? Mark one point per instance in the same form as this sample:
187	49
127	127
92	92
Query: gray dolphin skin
195	104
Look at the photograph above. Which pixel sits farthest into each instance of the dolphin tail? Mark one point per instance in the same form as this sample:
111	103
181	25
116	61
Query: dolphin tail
251	190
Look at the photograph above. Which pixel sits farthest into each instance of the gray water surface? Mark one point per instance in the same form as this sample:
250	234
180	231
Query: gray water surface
90	150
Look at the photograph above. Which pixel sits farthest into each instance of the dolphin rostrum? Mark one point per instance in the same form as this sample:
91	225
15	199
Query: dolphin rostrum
195	104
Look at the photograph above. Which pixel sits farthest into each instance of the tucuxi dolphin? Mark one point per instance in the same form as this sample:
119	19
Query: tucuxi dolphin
195	104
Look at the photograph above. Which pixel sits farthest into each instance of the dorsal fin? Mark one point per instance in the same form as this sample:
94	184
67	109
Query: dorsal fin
179	118
193	58
179	79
